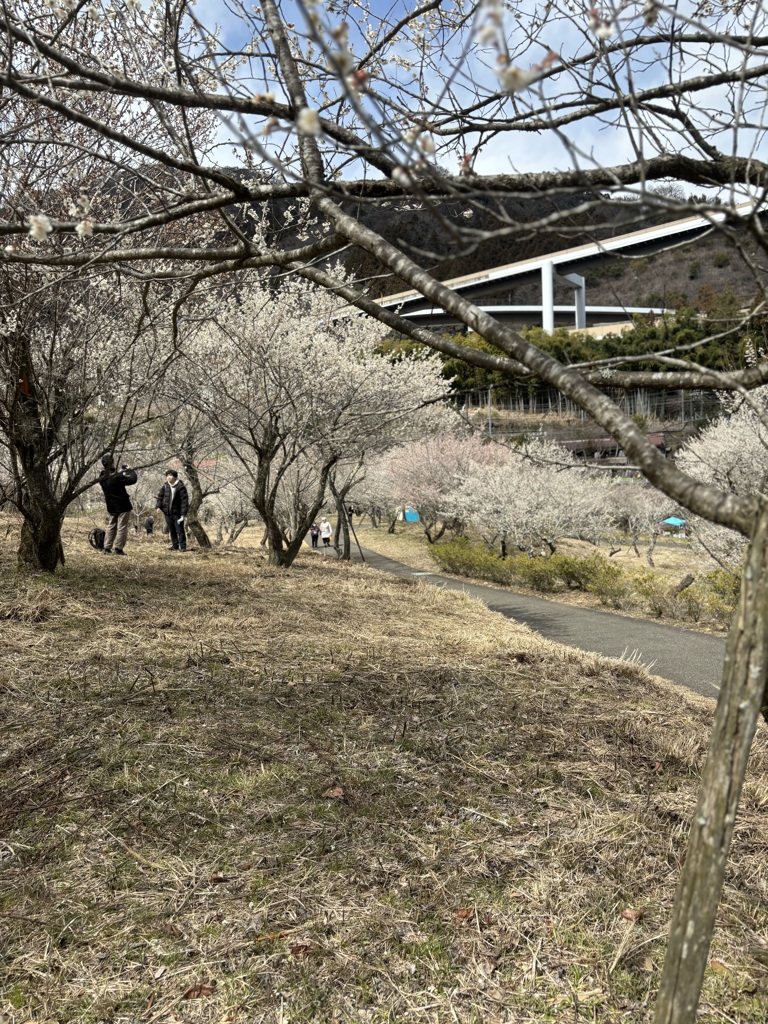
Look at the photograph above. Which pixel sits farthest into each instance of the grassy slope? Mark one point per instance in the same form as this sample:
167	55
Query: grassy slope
235	794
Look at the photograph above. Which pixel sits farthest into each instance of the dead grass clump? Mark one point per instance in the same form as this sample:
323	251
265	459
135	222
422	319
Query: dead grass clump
235	794
30	604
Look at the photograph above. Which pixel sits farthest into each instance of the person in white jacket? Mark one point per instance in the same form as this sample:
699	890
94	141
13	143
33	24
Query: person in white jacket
326	532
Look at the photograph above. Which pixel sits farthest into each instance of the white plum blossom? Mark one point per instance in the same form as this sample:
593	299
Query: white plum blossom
731	453
602	26
296	390
80	208
651	12
515	79
85	228
401	177
40	227
308	122
529	498
425	474
637	509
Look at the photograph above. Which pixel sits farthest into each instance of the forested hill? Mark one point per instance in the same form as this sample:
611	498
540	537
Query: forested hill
700	274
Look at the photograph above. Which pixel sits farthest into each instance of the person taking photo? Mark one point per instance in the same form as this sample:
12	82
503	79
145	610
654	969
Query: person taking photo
113	484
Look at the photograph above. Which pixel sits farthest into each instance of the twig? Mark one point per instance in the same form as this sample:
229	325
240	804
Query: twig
137	856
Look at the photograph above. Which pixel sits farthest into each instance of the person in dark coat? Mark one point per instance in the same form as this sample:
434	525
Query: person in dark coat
173	502
113	484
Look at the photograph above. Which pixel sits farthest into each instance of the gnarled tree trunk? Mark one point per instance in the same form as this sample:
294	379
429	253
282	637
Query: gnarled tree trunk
40	547
195	492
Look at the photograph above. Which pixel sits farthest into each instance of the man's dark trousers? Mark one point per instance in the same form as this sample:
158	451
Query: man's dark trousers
176	530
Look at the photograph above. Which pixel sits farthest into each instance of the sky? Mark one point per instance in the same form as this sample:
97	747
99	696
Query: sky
527	38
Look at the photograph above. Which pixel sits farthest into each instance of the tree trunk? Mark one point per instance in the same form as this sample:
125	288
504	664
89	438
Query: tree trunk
344	550
40	547
649	552
235	530
687	581
30	440
196	496
743	697
434	532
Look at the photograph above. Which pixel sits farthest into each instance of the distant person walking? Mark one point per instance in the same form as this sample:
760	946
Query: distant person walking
326	531
173	503
314	533
113	484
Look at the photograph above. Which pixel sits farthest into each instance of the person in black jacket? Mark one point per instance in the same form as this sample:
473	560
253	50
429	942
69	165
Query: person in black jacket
173	502
119	506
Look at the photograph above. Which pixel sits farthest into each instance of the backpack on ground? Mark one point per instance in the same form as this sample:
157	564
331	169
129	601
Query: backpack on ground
96	538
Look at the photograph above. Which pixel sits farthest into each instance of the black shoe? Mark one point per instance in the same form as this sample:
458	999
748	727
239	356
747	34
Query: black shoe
172	547
106	551
119	551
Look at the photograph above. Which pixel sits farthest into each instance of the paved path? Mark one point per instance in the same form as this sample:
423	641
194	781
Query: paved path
694	660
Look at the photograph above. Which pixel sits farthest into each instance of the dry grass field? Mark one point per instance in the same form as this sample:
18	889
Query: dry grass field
238	794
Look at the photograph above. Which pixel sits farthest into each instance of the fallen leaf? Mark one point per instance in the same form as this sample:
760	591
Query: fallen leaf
718	968
632	914
300	950
159	973
465	914
335	792
218	877
200	989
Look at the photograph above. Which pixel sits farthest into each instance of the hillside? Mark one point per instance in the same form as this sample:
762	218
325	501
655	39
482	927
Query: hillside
695	275
236	793
692	275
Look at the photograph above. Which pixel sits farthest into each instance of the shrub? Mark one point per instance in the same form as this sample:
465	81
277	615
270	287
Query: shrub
716	595
547	575
461	557
655	596
721	259
538	573
711	599
610	585
724	584
578	573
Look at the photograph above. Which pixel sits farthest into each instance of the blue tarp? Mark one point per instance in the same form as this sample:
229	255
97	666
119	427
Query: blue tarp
411	515
674	521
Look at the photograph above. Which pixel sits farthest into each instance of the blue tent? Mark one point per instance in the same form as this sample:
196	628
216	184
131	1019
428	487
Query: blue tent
674	521
411	515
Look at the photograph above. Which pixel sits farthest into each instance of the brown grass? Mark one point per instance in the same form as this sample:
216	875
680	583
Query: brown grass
238	794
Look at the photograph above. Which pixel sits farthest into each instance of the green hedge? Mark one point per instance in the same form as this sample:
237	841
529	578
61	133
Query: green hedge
711	599
548	575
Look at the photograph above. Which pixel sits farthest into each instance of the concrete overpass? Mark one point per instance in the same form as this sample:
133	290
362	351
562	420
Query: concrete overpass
563	266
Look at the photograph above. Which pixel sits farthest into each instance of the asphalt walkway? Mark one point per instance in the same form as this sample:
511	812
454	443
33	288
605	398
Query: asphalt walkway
694	660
